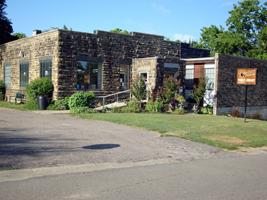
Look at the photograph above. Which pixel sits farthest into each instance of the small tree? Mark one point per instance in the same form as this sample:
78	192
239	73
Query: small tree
199	90
167	92
138	89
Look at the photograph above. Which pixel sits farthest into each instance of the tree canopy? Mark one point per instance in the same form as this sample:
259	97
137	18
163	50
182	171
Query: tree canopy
118	30
245	35
19	35
5	25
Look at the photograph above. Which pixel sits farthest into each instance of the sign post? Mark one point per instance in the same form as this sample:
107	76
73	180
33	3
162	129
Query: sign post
247	76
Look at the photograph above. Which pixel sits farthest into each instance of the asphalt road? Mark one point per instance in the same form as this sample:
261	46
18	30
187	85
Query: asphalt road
232	178
30	140
61	157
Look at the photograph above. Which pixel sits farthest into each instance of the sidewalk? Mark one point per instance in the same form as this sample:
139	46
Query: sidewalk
51	112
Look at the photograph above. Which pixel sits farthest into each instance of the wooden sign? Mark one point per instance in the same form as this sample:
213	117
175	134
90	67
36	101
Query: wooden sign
247	76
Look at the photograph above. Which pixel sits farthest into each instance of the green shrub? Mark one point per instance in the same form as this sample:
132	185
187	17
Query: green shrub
154	106
138	89
62	104
81	99
166	93
31	104
39	87
2	89
83	110
180	111
133	106
115	110
206	110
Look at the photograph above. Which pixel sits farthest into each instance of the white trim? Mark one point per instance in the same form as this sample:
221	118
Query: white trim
199	59
190	66
209	65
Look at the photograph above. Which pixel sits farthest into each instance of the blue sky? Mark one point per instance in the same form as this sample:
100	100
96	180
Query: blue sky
175	19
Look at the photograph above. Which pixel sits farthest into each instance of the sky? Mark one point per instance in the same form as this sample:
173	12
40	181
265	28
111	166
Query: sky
174	19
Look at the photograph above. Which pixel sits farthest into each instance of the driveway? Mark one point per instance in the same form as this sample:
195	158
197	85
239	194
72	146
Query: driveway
30	140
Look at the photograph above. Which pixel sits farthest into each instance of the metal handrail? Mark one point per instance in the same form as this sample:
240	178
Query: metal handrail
113	95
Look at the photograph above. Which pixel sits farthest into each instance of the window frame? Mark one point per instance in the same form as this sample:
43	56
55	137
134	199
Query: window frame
89	68
211	80
6	65
24	84
189	78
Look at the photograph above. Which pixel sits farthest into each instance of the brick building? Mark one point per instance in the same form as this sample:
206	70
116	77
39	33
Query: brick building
101	62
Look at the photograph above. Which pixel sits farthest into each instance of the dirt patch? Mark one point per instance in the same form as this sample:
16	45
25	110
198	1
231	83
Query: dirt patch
226	138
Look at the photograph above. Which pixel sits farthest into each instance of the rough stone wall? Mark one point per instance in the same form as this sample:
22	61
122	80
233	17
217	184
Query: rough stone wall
45	44
155	67
67	47
230	94
149	65
112	47
189	52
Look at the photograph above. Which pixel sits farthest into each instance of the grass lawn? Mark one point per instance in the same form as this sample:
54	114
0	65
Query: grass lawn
12	106
219	131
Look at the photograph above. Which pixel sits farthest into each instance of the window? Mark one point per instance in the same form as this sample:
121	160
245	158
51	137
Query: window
89	75
24	74
209	72
46	69
124	77
8	76
189	78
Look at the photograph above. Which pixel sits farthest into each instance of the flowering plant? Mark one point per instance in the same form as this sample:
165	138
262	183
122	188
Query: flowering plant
154	106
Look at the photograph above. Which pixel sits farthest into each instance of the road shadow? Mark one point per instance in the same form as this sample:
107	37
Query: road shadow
101	146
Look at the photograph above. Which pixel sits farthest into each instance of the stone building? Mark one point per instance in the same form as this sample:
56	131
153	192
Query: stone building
101	62
223	92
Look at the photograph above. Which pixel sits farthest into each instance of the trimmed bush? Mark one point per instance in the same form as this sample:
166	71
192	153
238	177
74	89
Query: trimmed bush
39	87
81	99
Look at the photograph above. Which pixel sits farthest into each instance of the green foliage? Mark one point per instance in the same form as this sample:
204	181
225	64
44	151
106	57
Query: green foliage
199	90
206	110
180	111
133	106
19	35
167	92
154	106
39	87
138	89
81	99
118	30
116	110
246	33
31	104
62	104
180	98
2	89
83	110
5	25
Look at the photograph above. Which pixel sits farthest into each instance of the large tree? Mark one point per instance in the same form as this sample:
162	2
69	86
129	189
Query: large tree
246	33
5	25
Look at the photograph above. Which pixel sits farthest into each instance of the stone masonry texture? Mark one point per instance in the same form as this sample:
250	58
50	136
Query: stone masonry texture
229	94
67	47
